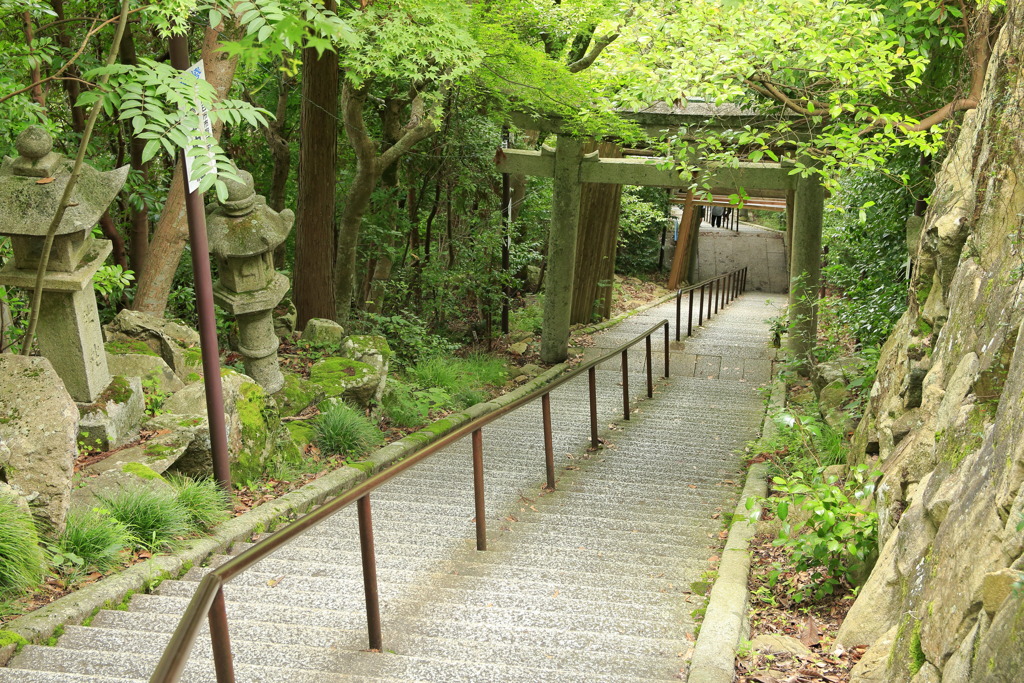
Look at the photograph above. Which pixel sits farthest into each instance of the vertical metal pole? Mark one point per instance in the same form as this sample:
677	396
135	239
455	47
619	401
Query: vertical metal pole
592	379
718	291
745	279
700	317
625	384
478	489
369	573
679	303
666	350
203	284
650	370
689	317
220	640
549	449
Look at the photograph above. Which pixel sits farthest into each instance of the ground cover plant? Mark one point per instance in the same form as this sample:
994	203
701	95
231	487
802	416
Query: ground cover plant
21	557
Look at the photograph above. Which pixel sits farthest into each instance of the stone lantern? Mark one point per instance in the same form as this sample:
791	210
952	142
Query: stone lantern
243	233
31	187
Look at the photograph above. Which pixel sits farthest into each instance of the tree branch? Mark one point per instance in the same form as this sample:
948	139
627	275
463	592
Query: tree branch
595	51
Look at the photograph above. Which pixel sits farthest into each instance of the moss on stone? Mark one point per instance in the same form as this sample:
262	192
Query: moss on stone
335	374
193	377
138	347
140	471
301	432
193	356
118	391
295	395
11	638
365	466
917	658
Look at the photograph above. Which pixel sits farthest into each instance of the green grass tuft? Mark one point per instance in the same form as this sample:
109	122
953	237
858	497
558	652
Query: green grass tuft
343	430
96	538
206	503
155	518
21	557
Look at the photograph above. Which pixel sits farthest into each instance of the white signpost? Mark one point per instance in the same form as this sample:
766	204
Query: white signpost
198	71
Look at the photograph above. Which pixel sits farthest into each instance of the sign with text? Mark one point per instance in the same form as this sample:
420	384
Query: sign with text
202	138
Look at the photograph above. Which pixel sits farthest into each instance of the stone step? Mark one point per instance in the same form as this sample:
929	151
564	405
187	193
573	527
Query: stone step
37	676
245	629
590	663
274	613
134	666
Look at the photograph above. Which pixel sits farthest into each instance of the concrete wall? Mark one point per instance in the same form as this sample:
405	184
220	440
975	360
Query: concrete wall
763	252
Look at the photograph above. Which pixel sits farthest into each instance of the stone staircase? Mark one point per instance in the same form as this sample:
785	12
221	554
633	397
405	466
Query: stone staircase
590	582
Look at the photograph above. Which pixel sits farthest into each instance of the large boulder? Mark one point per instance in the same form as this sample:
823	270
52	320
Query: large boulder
176	343
251	416
38	425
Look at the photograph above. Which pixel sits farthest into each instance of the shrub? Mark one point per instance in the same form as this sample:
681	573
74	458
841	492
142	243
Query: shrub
836	536
205	502
345	431
21	557
406	406
438	372
462	379
94	538
154	518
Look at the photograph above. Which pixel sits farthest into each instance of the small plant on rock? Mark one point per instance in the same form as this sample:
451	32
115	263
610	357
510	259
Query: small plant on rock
343	430
21	557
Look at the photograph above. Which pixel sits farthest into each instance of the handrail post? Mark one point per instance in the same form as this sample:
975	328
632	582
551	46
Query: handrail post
592	379
625	384
679	303
220	640
745	279
369	559
689	318
700	316
650	370
549	450
718	293
666	349
729	284
478	489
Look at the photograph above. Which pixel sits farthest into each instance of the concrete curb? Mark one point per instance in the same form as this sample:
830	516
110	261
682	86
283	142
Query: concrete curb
39	625
725	620
591	329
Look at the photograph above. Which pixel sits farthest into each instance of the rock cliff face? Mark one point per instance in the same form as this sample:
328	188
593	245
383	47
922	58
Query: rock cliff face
946	417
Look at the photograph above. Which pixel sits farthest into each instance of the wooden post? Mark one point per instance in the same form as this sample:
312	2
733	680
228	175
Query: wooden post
565	216
682	254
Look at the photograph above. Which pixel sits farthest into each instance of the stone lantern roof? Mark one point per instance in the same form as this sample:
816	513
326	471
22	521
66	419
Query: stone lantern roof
243	225
32	184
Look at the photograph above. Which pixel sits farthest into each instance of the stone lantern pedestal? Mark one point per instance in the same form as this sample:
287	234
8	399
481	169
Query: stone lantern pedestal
244	232
31	186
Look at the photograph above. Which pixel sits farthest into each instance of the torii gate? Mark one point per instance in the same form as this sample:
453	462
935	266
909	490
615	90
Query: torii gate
570	168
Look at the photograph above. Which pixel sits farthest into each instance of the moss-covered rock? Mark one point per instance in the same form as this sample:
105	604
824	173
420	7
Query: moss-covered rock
351	380
296	395
301	432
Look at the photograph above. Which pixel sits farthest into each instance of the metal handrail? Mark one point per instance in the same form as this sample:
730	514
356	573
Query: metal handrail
209	596
721	290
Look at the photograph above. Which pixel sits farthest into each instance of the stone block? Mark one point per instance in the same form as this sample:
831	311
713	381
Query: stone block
114	418
156	374
773	643
354	381
996	586
323	331
39	424
177	344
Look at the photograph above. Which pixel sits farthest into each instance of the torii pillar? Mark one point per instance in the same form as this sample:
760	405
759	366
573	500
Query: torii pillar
805	269
565	217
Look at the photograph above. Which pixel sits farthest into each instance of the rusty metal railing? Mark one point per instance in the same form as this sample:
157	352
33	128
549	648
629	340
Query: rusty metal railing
720	291
208	600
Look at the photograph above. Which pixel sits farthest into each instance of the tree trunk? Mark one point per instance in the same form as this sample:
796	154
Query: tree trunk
71	86
171	231
595	245
139	239
312	284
